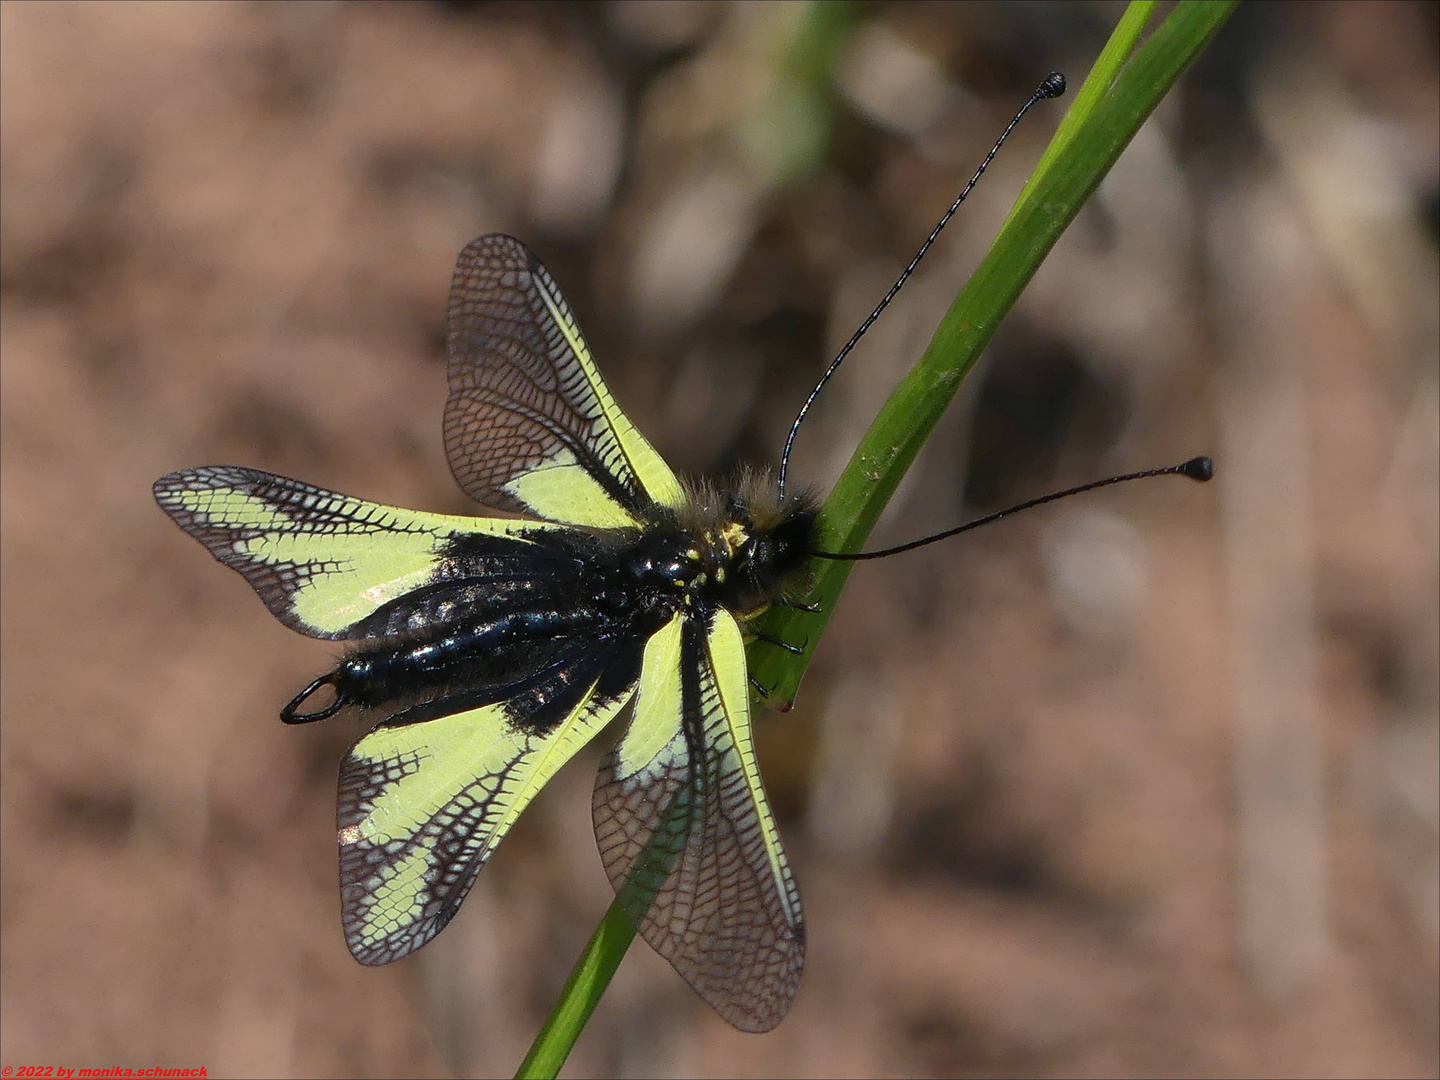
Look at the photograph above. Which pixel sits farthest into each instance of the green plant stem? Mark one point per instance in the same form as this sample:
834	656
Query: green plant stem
1120	92
1132	86
1102	76
580	994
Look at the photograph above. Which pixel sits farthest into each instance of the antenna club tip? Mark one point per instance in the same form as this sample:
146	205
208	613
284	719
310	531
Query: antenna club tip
1199	468
1053	86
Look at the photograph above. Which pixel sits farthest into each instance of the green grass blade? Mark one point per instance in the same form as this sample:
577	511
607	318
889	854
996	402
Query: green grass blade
1102	76
580	995
1130	90
1119	94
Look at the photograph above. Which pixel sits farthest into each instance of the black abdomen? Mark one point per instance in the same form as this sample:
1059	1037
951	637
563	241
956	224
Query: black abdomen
467	656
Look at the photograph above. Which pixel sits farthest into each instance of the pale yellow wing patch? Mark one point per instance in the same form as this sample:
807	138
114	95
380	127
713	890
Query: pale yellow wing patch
563	490
423	805
726	647
658	705
322	562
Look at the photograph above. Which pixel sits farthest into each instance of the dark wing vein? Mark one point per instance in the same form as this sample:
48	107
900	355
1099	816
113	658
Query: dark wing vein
686	834
425	798
529	425
333	566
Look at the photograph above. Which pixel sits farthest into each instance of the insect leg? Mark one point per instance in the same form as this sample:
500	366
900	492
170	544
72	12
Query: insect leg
794	650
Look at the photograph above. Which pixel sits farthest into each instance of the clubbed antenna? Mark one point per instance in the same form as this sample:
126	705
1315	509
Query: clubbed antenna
1053	86
1197	468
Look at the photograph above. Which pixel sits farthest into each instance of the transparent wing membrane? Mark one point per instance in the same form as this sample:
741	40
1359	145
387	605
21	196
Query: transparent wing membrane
530	425
686	834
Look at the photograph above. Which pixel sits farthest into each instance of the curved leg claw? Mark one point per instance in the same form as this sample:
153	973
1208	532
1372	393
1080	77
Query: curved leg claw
813	609
791	649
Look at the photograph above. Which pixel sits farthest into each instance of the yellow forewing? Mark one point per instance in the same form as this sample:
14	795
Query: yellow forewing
686	833
423	805
649	467
658	704
563	490
530	425
321	561
727	661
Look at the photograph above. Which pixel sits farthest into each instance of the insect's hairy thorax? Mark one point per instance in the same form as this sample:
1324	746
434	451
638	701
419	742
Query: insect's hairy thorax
750	544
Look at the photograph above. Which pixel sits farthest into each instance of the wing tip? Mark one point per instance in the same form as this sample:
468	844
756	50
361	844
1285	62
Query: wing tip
204	478
758	1016
173	483
396	946
510	251
170	490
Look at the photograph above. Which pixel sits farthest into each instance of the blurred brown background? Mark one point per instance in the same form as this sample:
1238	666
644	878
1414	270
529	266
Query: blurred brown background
1141	784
